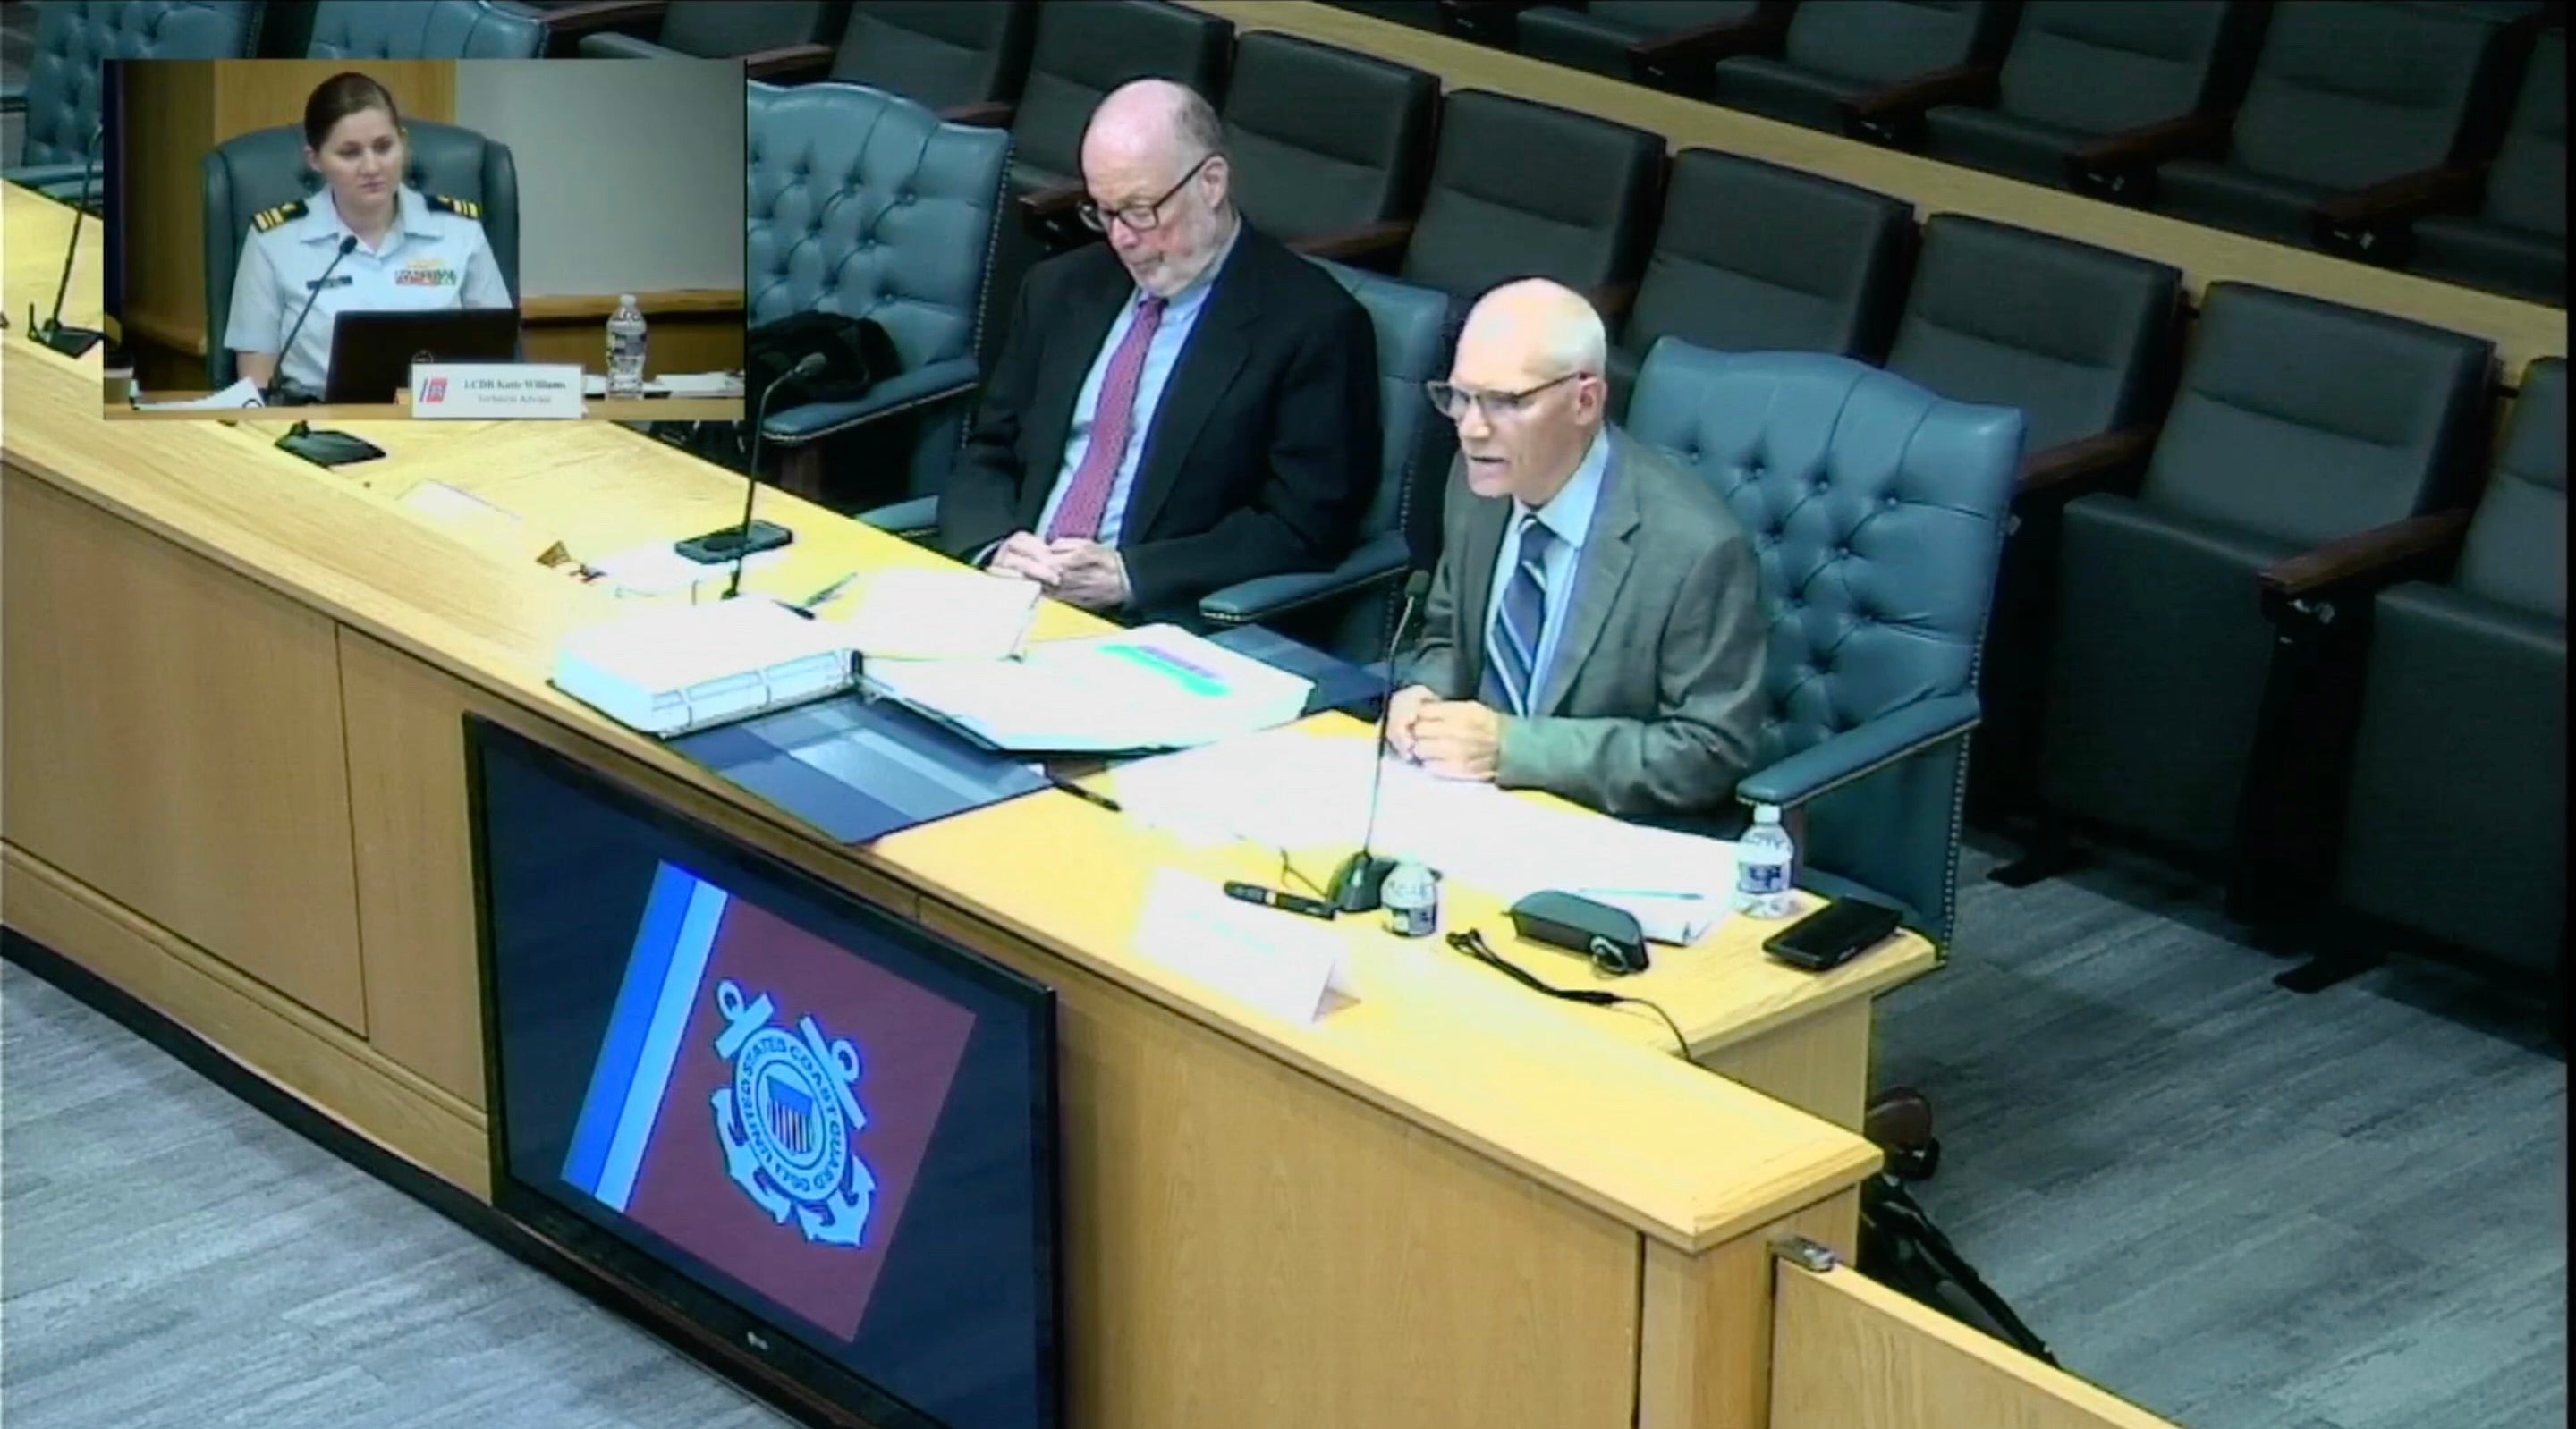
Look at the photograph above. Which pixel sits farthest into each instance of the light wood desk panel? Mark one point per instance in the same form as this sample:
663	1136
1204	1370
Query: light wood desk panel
2520	330
176	740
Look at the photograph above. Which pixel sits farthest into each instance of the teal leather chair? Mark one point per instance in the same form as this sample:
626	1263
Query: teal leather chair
59	103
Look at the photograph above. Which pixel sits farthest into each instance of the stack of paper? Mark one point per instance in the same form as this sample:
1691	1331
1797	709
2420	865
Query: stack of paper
940	615
1292	790
244	393
673	669
1155	688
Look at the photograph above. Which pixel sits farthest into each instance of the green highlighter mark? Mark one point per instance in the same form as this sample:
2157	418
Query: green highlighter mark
1191	677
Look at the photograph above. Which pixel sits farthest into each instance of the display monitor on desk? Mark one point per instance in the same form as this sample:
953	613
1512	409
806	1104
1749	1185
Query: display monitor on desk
798	1125
372	353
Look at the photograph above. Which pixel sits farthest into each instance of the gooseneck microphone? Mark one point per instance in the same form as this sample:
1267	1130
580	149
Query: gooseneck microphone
1356	881
277	376
739	542
70	341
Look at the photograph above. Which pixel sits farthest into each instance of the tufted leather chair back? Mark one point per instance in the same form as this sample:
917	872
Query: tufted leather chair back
74	37
1876	510
265	167
425	30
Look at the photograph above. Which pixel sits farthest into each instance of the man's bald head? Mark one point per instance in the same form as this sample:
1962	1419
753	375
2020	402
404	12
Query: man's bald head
1529	367
1153	150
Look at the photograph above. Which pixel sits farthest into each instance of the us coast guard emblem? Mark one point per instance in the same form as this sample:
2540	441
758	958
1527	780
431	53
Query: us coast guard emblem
787	1120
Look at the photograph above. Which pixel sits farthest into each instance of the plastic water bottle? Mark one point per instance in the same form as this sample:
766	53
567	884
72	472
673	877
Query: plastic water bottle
626	348
1411	897
1762	864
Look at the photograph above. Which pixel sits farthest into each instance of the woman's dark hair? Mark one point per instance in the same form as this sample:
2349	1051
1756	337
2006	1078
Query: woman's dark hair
340	96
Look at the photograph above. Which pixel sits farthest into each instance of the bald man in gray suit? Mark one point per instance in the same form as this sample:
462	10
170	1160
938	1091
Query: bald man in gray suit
1594	627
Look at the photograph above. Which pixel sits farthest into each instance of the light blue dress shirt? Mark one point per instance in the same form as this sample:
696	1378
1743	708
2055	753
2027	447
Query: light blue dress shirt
1180	317
430	259
1568	517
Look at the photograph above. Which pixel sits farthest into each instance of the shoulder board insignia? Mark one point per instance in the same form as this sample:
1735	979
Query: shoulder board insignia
461	207
283	213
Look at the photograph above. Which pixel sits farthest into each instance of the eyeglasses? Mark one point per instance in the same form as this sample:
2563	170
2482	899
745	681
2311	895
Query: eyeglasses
1453	401
1137	216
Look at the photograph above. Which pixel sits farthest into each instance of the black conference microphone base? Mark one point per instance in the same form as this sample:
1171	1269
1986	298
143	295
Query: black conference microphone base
327	448
1357	881
62	337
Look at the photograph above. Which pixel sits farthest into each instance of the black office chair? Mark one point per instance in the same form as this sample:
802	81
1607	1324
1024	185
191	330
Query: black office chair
965	61
777	40
2083	72
253	172
2455	822
1840	58
2515	241
1821	272
423	30
1522	189
1326	142
2082	340
1639	39
2351	107
2298	424
58	104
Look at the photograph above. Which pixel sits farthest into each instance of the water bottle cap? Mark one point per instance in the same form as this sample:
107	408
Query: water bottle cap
1765	814
626	300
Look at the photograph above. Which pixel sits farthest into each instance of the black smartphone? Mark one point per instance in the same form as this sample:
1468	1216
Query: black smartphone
1833	935
717	548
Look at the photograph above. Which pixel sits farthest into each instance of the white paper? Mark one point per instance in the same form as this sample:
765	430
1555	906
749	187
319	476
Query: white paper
1155	687
243	393
1292	790
940	615
677	384
1283	963
446	503
657	569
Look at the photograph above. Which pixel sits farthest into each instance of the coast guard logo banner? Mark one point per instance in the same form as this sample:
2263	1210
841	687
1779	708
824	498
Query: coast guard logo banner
763	1099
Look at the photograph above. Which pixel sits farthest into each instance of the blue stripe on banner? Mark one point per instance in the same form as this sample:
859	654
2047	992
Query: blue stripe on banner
656	935
661	1050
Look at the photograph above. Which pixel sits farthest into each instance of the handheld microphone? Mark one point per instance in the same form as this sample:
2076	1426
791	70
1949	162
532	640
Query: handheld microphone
277	376
1355	883
738	543
70	341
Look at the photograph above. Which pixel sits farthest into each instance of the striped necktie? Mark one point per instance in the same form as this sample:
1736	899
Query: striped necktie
1511	656
1086	499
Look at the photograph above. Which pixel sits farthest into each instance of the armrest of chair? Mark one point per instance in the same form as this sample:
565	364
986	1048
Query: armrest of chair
1359	245
1494	22
988	114
13	99
1860	751
908	519
1378	560
2310	582
2116	165
1612	301
585	16
2067	470
1049	215
788	61
619	45
931	382
1686	57
1891	115
2360	224
45	178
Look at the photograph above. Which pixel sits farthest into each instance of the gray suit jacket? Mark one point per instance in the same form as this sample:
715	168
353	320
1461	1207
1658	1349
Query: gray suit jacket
1653	704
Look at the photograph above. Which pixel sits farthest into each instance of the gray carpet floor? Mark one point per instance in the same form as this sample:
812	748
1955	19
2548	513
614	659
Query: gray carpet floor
2236	1206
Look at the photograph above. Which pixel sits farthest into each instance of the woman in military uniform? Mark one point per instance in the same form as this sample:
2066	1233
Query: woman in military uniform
411	251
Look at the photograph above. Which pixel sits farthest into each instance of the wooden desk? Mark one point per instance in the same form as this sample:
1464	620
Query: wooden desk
2520	330
596	409
233	686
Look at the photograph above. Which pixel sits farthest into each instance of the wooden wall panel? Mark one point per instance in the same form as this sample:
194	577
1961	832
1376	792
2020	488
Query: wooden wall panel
172	734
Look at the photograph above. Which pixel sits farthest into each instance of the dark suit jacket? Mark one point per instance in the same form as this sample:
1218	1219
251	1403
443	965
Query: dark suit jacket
1262	451
1653	705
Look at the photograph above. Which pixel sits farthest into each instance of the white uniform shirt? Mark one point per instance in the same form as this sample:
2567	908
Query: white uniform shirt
432	258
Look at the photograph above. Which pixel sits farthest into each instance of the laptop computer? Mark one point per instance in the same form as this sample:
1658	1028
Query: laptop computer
372	352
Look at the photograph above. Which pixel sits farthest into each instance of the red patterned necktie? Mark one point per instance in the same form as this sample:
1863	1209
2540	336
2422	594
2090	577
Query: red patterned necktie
1112	423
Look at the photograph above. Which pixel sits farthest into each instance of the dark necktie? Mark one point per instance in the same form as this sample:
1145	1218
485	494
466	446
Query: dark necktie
1511	656
1113	421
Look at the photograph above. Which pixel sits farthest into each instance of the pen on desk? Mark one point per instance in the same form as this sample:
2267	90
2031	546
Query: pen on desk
1085	795
1284	902
806	606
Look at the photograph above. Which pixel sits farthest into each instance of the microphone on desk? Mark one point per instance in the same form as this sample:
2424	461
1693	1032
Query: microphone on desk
70	341
1355	884
269	392
738	543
